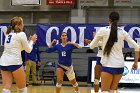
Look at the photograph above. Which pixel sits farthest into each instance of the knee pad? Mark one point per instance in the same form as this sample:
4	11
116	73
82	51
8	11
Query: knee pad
71	75
6	91
75	85
113	91
96	82
23	90
105	92
58	85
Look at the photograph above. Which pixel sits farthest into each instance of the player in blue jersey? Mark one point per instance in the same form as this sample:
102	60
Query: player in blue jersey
65	61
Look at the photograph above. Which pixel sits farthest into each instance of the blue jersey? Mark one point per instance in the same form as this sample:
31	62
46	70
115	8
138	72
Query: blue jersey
64	53
34	55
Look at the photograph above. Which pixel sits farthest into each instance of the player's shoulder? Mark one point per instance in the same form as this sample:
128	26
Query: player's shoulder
58	45
71	46
21	34
122	31
103	30
120	28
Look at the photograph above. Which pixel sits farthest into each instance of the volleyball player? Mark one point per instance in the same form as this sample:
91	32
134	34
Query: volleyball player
98	66
64	62
11	61
112	59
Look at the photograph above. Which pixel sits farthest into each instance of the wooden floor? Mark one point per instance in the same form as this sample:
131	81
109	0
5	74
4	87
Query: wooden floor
49	89
67	89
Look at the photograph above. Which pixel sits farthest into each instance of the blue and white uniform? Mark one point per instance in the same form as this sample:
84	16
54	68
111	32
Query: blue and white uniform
14	43
115	60
64	53
65	60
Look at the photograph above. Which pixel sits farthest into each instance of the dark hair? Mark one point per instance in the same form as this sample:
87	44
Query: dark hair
62	33
15	21
113	17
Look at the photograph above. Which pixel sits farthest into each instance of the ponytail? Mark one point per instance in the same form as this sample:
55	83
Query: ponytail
9	29
113	37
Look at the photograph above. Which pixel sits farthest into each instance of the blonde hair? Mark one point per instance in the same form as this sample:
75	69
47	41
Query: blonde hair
15	22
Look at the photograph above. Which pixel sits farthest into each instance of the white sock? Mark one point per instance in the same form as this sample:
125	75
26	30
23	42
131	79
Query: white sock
23	90
6	91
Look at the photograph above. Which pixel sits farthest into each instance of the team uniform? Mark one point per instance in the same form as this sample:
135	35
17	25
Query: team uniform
114	63
65	60
14	43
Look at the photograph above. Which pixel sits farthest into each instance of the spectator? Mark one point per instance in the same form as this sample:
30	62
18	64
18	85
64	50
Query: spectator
31	61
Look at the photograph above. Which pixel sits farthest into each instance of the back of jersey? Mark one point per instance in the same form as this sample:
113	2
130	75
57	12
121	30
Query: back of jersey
12	49
12	43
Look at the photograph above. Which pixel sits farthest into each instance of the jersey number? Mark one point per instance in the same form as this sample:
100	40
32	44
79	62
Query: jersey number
63	53
9	39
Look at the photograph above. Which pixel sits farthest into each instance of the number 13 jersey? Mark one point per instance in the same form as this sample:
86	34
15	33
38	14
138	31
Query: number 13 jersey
14	44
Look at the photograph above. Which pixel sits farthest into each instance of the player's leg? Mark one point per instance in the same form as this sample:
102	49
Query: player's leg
75	85
60	75
115	82
106	80
71	76
116	78
7	79
20	79
97	74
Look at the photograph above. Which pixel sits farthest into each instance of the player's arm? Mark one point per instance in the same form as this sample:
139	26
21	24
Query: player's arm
51	48
54	41
75	44
95	42
27	46
87	41
136	47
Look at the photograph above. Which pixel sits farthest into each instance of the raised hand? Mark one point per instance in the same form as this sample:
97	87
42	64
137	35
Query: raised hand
33	38
54	41
87	41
